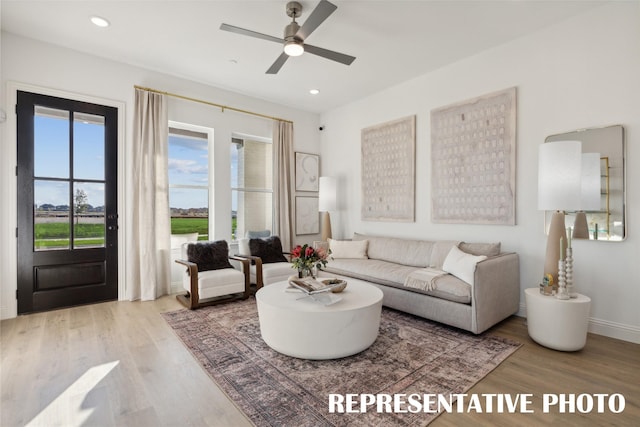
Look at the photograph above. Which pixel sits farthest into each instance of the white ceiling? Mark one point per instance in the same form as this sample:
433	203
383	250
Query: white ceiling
392	40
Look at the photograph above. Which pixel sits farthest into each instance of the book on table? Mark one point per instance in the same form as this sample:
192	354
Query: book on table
311	286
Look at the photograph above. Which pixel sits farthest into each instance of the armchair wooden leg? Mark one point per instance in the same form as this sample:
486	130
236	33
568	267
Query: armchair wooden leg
188	301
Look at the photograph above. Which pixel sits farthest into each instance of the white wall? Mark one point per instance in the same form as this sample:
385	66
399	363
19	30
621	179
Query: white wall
584	72
28	62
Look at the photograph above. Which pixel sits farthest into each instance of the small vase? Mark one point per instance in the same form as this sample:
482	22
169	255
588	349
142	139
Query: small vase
305	272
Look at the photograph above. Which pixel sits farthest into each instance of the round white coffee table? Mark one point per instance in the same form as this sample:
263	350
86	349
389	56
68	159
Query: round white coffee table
304	328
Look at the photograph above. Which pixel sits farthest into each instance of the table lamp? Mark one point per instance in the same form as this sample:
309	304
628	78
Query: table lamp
559	189
327	202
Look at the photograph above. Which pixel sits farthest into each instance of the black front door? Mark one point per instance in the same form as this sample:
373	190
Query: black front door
67	202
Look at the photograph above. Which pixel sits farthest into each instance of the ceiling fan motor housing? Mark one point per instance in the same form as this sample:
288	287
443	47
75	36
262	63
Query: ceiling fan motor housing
290	32
294	9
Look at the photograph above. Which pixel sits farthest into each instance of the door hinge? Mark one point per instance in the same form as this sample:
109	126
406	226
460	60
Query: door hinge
16	231
17	293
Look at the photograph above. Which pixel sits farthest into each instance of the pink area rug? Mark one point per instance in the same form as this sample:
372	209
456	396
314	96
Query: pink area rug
410	355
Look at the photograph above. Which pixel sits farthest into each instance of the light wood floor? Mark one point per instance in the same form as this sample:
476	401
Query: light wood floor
119	364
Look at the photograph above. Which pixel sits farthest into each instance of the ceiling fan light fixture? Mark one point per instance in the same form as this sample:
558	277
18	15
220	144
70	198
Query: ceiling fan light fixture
293	48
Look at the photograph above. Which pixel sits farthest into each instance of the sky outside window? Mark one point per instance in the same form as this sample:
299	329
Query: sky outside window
188	166
51	155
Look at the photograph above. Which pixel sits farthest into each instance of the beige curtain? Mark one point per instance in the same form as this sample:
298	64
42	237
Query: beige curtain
283	186
149	228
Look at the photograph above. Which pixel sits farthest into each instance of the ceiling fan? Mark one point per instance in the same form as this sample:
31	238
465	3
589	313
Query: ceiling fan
295	35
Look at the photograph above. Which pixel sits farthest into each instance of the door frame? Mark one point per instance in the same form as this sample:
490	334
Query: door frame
8	191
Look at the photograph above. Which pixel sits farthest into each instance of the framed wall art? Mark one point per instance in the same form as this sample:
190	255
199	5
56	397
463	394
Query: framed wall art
388	171
473	160
307	171
307	215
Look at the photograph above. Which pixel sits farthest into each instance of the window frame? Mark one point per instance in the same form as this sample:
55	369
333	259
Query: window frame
234	140
210	164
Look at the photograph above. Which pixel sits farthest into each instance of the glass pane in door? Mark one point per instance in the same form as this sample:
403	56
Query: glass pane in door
88	146
51	228
51	143
88	219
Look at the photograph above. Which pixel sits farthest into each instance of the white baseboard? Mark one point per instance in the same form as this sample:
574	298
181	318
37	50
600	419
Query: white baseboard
606	328
176	287
615	330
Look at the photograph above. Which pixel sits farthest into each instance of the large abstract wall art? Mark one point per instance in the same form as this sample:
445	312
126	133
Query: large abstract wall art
473	160
388	171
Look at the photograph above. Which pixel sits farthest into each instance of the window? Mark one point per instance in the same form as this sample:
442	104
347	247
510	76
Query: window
189	179
69	184
251	185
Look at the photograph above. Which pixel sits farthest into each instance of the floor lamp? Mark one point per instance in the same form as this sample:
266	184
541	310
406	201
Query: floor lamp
326	203
559	189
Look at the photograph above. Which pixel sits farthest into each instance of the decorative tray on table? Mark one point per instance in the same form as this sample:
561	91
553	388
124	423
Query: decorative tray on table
311	286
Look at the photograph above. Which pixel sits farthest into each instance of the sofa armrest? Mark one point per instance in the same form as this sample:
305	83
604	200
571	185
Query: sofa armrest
496	290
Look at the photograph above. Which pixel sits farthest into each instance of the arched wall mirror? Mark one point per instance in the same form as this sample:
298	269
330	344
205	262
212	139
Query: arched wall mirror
609	221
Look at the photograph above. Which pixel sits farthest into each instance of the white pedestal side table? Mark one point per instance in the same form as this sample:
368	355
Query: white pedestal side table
300	327
557	324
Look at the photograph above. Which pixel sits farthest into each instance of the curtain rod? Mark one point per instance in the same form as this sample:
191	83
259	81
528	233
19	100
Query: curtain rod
213	104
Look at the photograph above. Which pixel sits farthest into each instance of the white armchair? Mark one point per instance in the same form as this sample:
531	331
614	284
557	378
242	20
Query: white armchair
209	278
265	268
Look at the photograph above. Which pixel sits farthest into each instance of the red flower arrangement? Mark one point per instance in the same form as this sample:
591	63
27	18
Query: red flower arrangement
304	258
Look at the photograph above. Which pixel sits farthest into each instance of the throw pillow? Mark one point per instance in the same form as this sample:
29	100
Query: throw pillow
488	249
269	250
461	264
348	248
209	255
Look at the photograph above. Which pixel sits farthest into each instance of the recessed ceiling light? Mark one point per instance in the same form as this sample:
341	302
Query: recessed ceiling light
314	91
99	21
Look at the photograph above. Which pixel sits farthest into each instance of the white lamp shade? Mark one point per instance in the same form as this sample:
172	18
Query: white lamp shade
560	175
590	197
327	195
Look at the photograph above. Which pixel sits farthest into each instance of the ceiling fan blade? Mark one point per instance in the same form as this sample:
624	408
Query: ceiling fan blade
317	17
329	54
245	32
278	64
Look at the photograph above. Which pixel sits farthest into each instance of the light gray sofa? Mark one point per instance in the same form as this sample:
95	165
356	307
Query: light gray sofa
494	295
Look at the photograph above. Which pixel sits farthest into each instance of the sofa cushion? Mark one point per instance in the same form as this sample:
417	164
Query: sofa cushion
416	253
348	248
451	288
487	249
209	255
441	249
391	274
461	264
372	270
269	250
